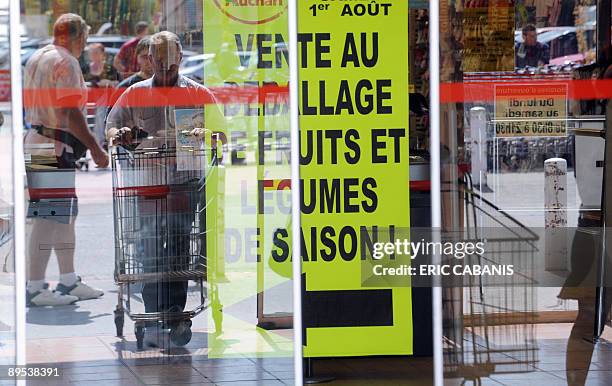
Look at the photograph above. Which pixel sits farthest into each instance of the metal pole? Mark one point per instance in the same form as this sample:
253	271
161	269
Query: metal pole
295	194
436	194
555	215
18	181
478	142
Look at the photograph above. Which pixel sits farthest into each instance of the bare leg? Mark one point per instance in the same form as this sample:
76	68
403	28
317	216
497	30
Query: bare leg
64	235
39	248
580	351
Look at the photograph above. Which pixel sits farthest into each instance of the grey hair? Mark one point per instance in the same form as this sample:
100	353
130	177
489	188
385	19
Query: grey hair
163	37
69	26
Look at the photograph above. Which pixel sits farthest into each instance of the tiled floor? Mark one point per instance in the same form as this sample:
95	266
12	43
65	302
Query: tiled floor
171	369
543	361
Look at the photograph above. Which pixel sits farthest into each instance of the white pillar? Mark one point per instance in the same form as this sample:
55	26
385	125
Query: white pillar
478	145
555	215
436	187
19	235
296	200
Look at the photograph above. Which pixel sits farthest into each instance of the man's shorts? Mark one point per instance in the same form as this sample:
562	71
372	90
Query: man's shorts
52	191
60	210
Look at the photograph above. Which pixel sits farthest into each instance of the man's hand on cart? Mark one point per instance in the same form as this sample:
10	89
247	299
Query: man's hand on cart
100	157
199	133
196	132
125	136
122	136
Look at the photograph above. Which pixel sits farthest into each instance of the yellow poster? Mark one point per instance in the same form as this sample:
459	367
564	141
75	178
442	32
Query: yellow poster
246	64
354	156
353	79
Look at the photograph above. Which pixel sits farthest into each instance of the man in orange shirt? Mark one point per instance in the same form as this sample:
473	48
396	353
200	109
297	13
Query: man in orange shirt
54	105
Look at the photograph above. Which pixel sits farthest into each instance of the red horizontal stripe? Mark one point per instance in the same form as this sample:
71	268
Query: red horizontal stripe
484	91
147	97
143	191
472	91
422	186
46	193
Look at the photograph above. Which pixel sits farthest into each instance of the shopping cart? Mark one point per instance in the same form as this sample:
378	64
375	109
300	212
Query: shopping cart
490	326
160	235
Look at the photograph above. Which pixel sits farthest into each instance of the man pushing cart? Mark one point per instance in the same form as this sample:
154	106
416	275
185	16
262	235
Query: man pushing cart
159	176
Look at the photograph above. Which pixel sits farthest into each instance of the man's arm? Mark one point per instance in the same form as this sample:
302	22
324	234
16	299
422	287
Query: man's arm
120	121
118	61
78	127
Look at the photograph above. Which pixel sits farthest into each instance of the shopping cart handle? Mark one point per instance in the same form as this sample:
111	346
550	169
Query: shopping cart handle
196	132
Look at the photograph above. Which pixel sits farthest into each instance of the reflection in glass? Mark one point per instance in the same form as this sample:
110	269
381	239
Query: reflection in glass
525	131
162	263
7	259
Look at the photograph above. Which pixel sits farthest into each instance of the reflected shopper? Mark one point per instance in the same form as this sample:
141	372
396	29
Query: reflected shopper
54	99
580	283
125	62
144	64
530	52
100	71
135	126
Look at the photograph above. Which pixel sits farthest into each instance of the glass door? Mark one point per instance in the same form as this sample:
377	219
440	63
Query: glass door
9	348
524	92
151	227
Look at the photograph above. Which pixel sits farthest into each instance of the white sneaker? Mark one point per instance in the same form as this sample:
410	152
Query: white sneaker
46	297
79	289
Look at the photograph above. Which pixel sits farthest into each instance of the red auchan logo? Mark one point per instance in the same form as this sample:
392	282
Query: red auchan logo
252	11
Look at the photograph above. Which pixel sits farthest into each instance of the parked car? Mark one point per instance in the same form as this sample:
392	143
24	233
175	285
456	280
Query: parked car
193	66
29	47
112	43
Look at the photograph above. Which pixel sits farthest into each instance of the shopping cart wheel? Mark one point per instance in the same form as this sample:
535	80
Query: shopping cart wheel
119	320
139	332
180	334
